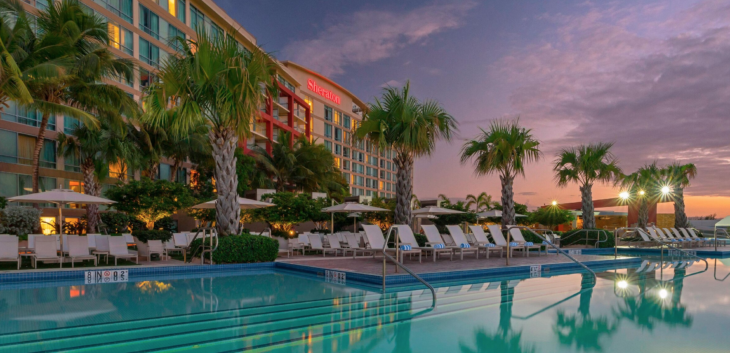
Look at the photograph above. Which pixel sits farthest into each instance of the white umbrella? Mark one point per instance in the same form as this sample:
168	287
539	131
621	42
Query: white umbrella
350	207
433	210
62	197
495	213
354	217
246	204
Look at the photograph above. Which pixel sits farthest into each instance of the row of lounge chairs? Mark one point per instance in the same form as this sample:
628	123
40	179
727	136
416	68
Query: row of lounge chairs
455	243
684	237
46	250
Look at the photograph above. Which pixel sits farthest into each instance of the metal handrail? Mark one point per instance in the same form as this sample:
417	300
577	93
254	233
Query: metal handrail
717	279
588	232
560	251
385	255
202	245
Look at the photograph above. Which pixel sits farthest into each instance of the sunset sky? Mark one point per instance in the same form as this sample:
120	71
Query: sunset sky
651	76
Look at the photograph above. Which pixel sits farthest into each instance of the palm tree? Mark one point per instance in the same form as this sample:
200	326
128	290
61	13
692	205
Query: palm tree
399	121
151	142
64	67
12	32
482	202
217	83
504	149
301	165
644	185
181	149
96	148
677	176
586	165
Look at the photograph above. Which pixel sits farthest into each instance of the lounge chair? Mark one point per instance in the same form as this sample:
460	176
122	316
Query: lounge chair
171	248
666	234
524	245
496	232
377	242
149	248
353	244
679	235
92	240
102	247
460	241
118	250
284	246
334	242
659	235
128	238
647	239
9	249
45	251
433	235
405	234
78	249
483	241
316	243
689	233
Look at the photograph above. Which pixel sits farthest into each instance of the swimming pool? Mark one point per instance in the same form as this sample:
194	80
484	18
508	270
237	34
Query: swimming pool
276	310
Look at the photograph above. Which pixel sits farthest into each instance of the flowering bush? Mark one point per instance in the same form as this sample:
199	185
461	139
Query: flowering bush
19	220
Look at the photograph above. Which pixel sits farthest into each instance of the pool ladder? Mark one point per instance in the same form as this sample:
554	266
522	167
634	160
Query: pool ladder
386	256
208	233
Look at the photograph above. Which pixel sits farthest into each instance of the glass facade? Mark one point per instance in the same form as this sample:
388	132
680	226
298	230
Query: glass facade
121	8
149	53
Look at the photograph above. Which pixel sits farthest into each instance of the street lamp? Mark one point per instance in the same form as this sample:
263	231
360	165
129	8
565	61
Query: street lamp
555	203
665	190
624	195
641	192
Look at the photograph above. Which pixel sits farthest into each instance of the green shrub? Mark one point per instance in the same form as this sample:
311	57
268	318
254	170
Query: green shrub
3	202
280	233
116	222
19	220
421	239
167	224
245	248
578	237
155	234
78	227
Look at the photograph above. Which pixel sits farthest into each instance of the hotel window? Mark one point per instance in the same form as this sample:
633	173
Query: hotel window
346	122
199	20
382	174
120	38
308	100
72	162
380	185
327	113
338	118
346	176
182	176
387	186
347	137
16	148
337	162
338	134
346	164
20	115
328	145
338	149
286	84
22	184
174	35
328	130
149	53
163	172
70	124
174	7
346	152
121	8
149	22
120	171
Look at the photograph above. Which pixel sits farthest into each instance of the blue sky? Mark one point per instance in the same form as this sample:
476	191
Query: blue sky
650	76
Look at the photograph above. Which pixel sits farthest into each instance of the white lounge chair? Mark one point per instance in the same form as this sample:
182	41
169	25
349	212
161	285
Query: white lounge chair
128	238
78	249
406	236
149	248
334	241
434	236
171	248
284	246
689	233
659	235
353	244
525	246
92	240
484	242
45	251
31	240
460	243
118	250
9	249
679	235
377	242
316	243
496	232
102	247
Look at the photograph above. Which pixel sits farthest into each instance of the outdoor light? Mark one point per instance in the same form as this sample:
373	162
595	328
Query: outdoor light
291	232
555	203
663	293
623	195
623	284
641	192
665	190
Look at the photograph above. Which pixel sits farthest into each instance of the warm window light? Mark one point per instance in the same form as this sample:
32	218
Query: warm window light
623	195
665	190
623	284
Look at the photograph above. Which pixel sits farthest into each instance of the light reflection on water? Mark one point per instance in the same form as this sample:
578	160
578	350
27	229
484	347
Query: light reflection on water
665	310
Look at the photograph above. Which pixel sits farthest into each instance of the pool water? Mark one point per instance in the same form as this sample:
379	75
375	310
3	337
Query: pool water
667	310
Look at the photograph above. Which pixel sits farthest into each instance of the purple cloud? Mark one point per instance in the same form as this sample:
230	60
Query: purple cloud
369	36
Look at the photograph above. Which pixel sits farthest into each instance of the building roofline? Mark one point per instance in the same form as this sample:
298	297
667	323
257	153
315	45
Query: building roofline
230	21
355	99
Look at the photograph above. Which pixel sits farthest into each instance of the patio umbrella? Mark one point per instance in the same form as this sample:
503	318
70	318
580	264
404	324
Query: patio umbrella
433	210
62	197
349	207
246	204
495	213
354	217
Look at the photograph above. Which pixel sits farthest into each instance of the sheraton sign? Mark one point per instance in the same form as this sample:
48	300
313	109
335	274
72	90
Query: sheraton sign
312	86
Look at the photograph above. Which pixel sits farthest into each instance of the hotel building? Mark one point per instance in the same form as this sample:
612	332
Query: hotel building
145	30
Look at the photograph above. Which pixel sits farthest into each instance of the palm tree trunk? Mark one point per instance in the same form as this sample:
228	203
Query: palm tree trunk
680	217
586	197
173	171
508	201
228	211
153	170
37	150
403	189
643	213
92	211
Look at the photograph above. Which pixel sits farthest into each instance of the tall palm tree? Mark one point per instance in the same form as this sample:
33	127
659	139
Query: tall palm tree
150	141
503	149
64	66
677	176
217	83
96	148
586	165
644	186
181	149
481	202
13	31
411	128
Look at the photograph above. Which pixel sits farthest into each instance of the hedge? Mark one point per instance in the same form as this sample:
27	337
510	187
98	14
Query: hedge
578	237
245	248
145	235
